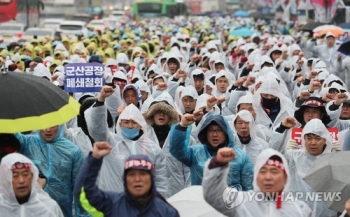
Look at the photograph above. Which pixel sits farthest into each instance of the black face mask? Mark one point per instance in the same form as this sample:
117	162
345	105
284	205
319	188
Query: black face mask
269	103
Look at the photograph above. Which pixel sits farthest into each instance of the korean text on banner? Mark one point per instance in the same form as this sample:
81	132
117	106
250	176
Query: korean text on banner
84	77
296	134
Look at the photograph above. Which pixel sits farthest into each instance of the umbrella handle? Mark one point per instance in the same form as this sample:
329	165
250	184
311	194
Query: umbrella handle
343	214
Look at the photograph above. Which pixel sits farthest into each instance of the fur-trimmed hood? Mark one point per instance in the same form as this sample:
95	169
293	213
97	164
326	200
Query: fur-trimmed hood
163	103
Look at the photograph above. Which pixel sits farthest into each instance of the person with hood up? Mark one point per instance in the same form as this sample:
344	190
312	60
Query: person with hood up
188	100
272	106
159	84
197	80
246	135
172	64
146	94
21	195
80	135
160	116
131	138
138	197
316	141
214	134
41	71
272	179
59	160
123	61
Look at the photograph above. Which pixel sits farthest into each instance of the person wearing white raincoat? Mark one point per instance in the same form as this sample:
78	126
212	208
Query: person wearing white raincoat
197	80
37	203
160	116
246	135
272	106
188	100
128	141
316	141
271	168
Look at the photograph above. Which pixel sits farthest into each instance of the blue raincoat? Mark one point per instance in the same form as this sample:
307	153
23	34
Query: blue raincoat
59	161
240	175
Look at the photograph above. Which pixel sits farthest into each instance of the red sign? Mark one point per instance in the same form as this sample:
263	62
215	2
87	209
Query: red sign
296	134
113	69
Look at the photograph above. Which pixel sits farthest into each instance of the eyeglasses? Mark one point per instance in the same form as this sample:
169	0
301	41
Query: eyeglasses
215	131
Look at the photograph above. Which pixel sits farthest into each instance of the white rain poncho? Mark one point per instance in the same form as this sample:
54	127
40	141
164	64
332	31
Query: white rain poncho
41	71
187	91
39	203
215	186
232	77
144	87
255	145
111	174
300	161
192	82
271	86
177	99
122	58
217	93
178	175
154	88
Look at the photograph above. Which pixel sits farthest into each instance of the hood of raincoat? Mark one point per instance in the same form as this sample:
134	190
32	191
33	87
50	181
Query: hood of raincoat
211	45
197	72
59	137
187	91
261	160
41	71
274	49
320	65
164	103
213	58
172	57
143	86
134	87
293	47
131	112
271	86
122	58
222	62
111	62
315	126
222	123
6	176
265	59
248	99
152	69
60	47
331	78
246	116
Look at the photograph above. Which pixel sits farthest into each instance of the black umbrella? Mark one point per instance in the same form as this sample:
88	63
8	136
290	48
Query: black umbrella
311	26
29	102
344	48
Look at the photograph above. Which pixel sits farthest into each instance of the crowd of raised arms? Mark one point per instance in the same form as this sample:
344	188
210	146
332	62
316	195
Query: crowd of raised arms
185	102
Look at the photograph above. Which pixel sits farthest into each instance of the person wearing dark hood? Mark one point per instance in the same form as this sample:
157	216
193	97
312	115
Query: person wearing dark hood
80	135
140	197
214	134
313	108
